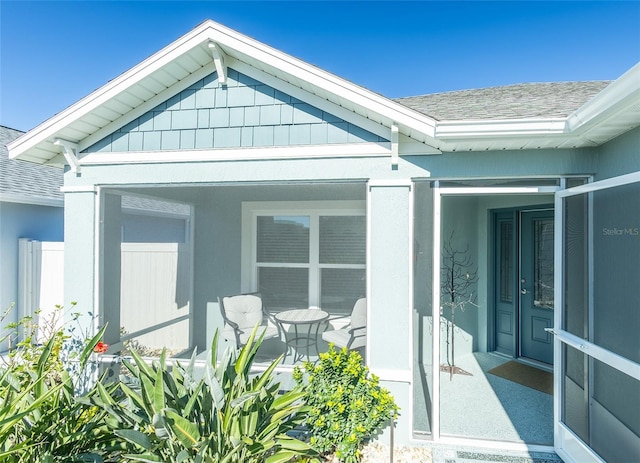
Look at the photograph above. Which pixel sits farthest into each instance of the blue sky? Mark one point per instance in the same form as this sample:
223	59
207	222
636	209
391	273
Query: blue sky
54	53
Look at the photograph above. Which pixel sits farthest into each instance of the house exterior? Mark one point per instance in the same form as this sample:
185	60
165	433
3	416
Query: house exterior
31	207
315	191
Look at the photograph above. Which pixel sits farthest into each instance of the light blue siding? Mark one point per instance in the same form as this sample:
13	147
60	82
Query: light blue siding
267	117
42	223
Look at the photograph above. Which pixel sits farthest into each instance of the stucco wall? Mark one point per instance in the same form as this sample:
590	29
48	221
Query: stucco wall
150	229
497	164
620	156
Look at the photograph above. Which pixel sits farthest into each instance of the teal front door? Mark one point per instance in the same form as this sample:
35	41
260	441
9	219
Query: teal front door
524	277
536	285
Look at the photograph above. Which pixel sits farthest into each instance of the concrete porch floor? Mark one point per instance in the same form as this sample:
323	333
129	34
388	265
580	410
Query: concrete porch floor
485	406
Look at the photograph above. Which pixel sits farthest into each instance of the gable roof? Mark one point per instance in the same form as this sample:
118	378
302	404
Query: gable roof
520	101
212	47
25	182
189	59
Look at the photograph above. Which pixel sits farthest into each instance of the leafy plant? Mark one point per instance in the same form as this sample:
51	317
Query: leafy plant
347	405
40	418
228	415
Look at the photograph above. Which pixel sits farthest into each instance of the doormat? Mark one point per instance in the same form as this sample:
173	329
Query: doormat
526	375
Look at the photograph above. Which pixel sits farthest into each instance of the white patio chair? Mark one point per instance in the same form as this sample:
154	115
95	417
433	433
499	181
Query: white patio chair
354	335
241	313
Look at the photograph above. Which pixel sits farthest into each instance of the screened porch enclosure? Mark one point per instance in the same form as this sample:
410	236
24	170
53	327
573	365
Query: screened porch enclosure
599	380
455	390
299	246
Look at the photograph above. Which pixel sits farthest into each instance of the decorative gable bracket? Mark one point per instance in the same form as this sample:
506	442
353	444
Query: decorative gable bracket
219	61
394	146
70	153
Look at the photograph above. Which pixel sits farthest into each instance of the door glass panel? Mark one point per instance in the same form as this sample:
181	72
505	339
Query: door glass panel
536	285
506	261
543	263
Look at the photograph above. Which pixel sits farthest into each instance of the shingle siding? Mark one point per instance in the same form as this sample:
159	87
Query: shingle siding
245	113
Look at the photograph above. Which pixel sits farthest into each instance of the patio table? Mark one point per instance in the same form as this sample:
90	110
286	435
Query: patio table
296	317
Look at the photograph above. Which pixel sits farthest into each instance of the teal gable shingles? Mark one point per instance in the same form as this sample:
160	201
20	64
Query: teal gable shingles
245	113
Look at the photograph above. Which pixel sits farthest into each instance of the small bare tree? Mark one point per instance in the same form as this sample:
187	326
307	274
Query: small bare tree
458	278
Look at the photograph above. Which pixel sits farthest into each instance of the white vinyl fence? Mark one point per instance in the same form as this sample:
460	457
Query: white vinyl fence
40	280
155	309
155	294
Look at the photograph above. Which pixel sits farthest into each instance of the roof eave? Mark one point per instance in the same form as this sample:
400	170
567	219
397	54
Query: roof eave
53	125
587	126
619	96
448	130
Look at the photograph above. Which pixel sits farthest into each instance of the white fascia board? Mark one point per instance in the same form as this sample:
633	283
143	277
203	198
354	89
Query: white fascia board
240	154
51	126
32	200
446	130
619	94
340	88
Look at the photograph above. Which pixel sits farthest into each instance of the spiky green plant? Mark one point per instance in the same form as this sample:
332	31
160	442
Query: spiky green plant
228	415
41	419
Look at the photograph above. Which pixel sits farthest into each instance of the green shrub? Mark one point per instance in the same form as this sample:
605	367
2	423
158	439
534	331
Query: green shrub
40	418
347	406
229	415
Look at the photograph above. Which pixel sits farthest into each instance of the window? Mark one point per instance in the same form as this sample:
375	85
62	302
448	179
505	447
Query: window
305	254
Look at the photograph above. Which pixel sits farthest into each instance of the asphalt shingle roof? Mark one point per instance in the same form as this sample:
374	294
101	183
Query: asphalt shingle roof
26	179
29	180
520	101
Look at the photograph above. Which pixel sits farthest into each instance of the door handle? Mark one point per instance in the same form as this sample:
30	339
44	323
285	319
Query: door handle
524	291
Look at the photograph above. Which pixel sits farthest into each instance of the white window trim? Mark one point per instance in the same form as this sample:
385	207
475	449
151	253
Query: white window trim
314	209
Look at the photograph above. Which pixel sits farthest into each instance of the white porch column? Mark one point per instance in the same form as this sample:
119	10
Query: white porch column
389	292
80	253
